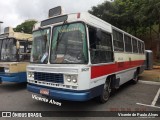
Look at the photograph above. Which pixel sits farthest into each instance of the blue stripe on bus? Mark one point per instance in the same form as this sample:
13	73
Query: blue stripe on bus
13	77
63	94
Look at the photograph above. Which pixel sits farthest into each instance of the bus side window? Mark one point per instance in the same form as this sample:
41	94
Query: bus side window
139	47
135	45
142	44
24	51
118	41
92	41
100	49
128	43
106	48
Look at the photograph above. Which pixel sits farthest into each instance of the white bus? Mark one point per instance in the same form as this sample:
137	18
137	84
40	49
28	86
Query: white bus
15	51
78	57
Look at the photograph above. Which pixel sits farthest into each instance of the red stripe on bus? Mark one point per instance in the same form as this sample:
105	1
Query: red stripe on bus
98	71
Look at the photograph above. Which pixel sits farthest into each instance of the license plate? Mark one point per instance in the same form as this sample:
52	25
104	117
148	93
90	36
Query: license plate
44	91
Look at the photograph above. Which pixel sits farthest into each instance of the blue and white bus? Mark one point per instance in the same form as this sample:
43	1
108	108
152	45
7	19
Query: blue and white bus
15	50
78	57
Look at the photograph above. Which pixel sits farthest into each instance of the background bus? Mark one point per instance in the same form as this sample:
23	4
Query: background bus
14	55
81	57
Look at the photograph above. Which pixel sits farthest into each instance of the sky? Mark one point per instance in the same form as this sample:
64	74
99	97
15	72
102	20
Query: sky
14	12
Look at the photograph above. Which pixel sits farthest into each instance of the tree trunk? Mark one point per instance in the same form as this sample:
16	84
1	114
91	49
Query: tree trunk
150	35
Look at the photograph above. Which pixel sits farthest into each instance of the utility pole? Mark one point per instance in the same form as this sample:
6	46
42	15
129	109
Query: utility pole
0	26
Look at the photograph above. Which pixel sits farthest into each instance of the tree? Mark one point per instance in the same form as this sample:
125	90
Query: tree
119	13
25	27
150	18
138	17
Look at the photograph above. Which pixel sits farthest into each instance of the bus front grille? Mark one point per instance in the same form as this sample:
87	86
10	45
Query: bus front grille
49	77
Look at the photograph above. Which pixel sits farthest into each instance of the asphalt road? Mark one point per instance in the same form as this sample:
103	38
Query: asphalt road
15	97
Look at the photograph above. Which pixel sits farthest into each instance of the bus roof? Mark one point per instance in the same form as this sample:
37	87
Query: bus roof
85	17
16	35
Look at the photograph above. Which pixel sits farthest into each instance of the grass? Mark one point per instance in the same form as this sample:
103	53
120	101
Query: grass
157	63
151	75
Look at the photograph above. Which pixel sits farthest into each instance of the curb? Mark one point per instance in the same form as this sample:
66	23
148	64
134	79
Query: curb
149	82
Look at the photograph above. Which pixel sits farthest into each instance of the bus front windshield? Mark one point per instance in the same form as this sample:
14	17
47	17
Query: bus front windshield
40	46
69	44
8	50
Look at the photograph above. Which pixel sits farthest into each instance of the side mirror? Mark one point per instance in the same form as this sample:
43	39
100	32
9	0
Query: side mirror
99	34
17	45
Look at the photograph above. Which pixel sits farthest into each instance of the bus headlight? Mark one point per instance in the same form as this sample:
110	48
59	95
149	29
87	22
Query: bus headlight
71	78
30	74
6	70
74	79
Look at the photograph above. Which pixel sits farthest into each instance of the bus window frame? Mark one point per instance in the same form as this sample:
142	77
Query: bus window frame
125	43
17	60
50	32
86	36
112	46
27	43
133	38
121	32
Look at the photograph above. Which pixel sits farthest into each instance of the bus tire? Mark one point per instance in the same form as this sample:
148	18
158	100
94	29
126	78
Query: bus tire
113	91
135	79
103	98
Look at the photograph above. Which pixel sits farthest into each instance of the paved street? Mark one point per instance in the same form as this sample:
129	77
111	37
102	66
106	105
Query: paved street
15	97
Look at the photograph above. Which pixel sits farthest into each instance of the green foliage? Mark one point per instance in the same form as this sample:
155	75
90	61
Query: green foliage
138	17
134	16
25	27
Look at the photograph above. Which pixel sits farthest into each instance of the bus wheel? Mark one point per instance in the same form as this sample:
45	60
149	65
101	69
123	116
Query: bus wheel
103	98
135	79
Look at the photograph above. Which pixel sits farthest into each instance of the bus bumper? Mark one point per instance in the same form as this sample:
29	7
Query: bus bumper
61	94
13	77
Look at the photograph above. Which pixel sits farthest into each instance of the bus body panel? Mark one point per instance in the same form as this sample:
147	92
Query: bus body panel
64	94
14	55
83	72
19	77
82	92
91	77
16	72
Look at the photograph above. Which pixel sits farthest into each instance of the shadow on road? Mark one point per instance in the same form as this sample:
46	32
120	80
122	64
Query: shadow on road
123	88
12	87
90	105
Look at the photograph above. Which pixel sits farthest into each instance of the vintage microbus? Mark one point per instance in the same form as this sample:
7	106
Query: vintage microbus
15	50
78	57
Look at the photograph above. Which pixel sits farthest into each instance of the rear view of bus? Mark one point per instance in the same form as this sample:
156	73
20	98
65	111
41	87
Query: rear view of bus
14	55
73	58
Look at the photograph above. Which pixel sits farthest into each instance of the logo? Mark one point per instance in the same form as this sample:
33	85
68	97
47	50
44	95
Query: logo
85	69
6	114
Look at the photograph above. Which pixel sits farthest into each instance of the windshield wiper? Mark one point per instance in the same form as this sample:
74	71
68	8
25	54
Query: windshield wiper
60	35
44	38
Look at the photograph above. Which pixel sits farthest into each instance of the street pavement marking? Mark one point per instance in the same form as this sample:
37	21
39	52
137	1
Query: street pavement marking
149	82
156	98
153	102
148	105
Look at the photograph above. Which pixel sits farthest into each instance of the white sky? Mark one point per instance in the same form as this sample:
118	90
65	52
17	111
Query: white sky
14	12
